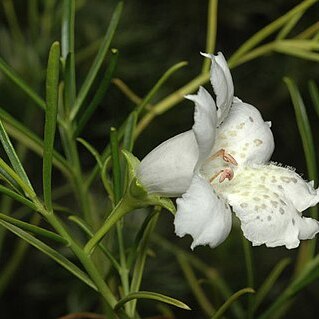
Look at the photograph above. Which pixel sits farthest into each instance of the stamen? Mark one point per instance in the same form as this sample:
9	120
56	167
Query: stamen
223	174
225	156
229	159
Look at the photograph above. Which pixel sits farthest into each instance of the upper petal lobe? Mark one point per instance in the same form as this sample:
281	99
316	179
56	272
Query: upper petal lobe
222	83
245	135
204	126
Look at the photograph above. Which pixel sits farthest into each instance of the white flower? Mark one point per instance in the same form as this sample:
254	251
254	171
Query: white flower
223	161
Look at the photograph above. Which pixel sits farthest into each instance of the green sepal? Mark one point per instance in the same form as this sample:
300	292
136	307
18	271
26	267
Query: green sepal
136	189
132	163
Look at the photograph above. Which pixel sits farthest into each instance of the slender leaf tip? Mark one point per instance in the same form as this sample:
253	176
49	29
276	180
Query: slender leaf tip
114	51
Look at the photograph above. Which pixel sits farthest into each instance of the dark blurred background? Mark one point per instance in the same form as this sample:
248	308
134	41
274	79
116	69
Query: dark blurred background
152	36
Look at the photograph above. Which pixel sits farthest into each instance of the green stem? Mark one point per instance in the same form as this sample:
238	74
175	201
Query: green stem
77	177
117	187
138	269
211	32
86	262
250	274
124	271
124	206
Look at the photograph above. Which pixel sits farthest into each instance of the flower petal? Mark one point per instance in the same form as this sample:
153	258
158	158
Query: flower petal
202	214
245	135
222	84
268	201
204	122
168	169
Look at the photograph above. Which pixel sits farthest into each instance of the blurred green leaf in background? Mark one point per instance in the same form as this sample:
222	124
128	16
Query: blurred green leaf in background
81	81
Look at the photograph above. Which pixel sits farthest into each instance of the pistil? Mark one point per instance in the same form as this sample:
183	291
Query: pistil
223	174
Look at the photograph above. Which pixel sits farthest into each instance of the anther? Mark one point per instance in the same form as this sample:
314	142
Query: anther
225	156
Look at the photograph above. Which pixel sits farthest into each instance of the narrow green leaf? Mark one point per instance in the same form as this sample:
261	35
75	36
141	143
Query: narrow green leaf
91	149
69	92
289	25
88	230
97	61
67	53
270	281
153	296
26	137
197	290
314	93
128	142
12	155
128	139
9	180
36	230
159	84
309	274
141	251
117	190
316	36
143	234
309	32
231	300
301	44
52	88
67	30
14	179
105	179
299	53
304	128
20	83
217	281
269	29
128	92
211	273
6	191
60	259
298	48
99	94
117	182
